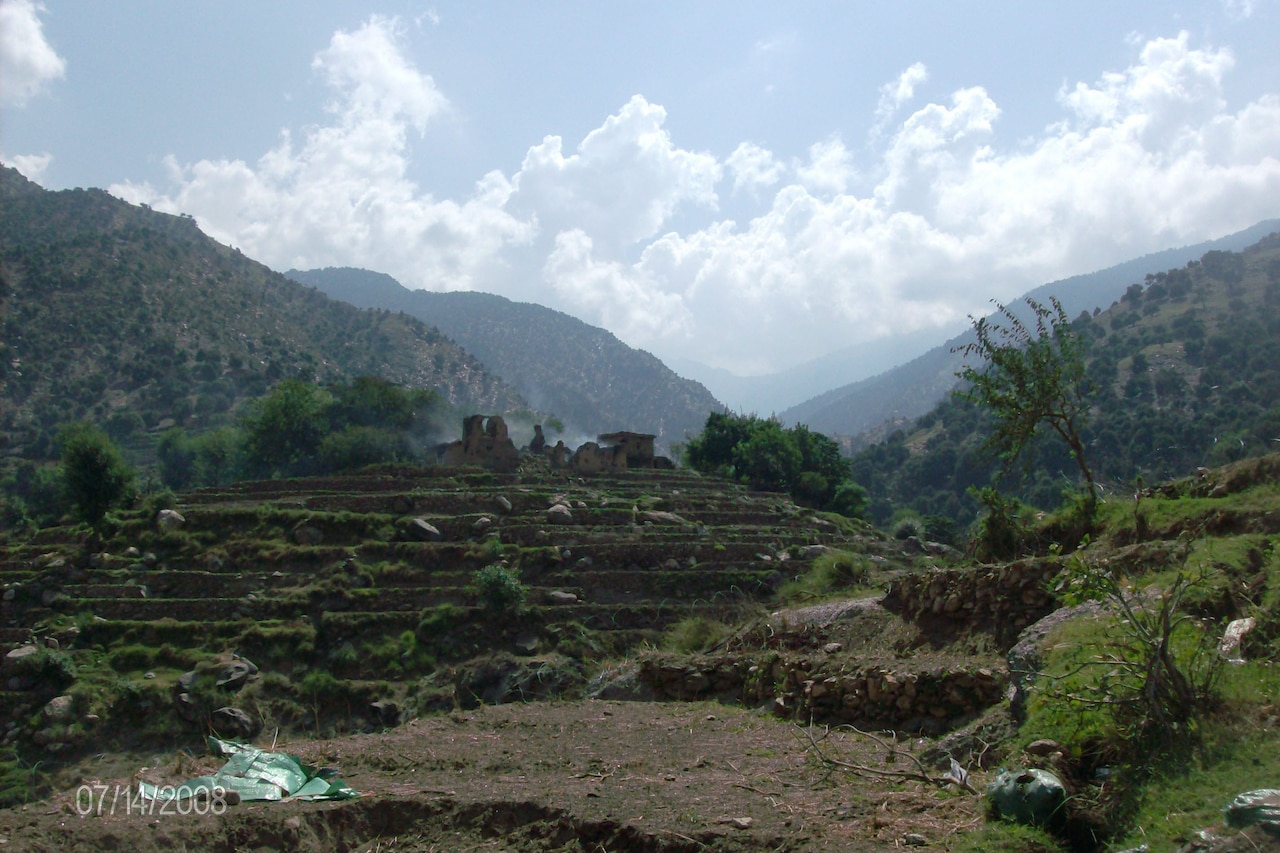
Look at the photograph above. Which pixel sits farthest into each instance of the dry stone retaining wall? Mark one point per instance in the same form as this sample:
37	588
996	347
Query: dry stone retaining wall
999	599
930	700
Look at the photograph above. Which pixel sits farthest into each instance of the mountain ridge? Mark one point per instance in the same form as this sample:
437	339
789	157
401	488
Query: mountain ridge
122	315
912	388
589	378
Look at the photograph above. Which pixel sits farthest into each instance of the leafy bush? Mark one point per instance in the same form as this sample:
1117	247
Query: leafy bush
94	472
499	589
1002	534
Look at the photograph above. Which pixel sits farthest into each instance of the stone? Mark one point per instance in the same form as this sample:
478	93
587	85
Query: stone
1232	637
482	524
236	674
59	709
559	514
168	520
308	534
421	530
502	503
187	707
557	596
1043	747
233	722
11	593
20	653
132	553
387	712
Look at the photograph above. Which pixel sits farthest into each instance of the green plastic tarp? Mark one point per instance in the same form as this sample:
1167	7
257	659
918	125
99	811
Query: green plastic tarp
1260	807
1027	796
257	775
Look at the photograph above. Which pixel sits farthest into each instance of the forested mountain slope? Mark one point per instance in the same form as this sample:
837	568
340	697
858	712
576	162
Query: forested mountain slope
1184	371
584	374
136	320
909	390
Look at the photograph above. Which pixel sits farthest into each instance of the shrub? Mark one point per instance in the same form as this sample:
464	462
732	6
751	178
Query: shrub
694	634
499	589
907	524
94	472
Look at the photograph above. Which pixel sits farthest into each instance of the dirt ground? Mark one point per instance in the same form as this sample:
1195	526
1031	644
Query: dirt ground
572	776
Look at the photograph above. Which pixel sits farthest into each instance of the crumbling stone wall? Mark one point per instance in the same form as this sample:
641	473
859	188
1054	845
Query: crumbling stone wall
485	442
1002	599
591	458
929	701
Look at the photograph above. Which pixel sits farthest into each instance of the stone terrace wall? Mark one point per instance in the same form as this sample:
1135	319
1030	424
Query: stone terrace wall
999	599
930	700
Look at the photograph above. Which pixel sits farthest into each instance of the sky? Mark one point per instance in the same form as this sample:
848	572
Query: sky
745	185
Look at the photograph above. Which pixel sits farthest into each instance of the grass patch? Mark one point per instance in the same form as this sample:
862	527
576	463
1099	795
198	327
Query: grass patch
835	572
694	634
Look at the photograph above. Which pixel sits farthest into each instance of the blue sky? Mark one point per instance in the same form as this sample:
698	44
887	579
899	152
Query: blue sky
747	185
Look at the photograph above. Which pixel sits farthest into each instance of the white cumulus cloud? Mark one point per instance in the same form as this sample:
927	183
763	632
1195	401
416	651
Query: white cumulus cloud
340	195
27	61
623	228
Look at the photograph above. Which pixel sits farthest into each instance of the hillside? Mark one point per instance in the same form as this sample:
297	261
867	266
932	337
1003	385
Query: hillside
309	616
594	382
1185	372
137	320
909	390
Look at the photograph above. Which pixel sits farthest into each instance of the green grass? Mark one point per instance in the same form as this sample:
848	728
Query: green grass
833	573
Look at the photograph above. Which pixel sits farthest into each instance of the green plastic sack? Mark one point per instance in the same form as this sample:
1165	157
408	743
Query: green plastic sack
1255	808
1032	797
257	775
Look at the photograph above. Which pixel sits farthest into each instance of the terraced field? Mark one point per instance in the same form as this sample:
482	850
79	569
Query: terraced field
370	579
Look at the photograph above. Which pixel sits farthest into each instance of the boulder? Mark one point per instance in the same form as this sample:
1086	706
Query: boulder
559	514
233	722
421	530
60	709
559	596
308	534
169	519
236	674
502	503
386	711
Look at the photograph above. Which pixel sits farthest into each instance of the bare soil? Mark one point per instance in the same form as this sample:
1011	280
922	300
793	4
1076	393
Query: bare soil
551	776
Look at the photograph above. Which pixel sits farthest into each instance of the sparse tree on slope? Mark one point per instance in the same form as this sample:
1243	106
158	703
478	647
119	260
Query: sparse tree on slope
1031	376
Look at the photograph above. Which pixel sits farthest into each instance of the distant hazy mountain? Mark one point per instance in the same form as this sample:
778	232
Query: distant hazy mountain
136	320
585	375
772	393
910	390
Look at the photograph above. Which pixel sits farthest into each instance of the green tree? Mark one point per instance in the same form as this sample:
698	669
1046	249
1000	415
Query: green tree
95	474
283	431
1031	376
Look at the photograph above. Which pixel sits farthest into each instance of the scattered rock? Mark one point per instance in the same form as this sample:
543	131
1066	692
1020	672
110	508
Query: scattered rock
169	519
482	524
1231	638
559	514
502	503
187	707
308	534
387	712
233	722
1043	747
421	530
557	596
236	674
60	709
21	653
